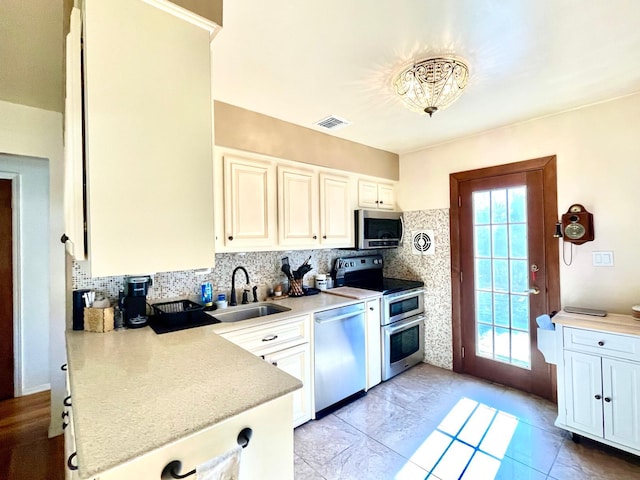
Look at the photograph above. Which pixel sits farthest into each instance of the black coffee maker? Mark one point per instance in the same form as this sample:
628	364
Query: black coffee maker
134	301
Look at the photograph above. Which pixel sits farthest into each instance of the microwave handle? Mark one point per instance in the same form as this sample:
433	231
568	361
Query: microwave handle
401	228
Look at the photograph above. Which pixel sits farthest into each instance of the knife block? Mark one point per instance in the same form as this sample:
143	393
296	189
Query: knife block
98	319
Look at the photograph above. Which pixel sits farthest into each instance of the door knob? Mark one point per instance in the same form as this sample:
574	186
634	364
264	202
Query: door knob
533	290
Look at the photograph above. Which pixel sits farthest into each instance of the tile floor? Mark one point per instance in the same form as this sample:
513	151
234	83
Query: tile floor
436	424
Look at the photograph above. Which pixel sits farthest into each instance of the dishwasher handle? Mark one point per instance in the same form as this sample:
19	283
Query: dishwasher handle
338	318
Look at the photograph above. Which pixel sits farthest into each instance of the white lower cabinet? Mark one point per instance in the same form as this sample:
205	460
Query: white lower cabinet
269	454
372	344
599	396
286	345
296	362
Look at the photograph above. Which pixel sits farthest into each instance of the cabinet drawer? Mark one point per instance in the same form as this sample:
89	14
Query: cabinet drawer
602	343
269	338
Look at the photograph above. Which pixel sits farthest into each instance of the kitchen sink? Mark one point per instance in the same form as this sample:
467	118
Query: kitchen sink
237	314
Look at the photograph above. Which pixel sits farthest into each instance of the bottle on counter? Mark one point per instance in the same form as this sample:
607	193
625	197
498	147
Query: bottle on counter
221	298
207	294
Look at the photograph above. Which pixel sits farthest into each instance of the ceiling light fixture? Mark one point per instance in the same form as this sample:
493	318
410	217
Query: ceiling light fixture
432	84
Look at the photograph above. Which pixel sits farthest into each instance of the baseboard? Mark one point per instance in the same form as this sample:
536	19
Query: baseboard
37	389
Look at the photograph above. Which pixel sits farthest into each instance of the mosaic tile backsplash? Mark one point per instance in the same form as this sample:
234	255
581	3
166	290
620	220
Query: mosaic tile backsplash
263	268
435	271
264	271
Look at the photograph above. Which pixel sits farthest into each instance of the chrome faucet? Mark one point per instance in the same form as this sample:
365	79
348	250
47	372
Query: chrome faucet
233	302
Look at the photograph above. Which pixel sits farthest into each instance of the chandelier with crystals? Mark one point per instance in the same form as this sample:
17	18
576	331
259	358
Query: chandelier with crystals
432	84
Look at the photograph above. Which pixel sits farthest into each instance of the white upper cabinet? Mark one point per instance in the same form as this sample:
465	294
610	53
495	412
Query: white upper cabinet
336	212
148	138
374	195
249	202
267	203
297	206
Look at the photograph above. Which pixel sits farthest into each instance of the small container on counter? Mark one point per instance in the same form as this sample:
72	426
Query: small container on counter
321	281
221	299
207	294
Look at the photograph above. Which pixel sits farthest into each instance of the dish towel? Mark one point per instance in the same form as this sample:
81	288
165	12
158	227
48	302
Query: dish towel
223	467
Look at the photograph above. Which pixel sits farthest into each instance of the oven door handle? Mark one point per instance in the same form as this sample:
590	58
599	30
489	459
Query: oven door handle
394	297
403	324
339	317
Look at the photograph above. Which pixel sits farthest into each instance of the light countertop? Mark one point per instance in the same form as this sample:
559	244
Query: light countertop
625	324
134	391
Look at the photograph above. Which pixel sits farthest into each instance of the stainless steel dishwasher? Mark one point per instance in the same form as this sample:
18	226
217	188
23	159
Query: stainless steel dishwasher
339	353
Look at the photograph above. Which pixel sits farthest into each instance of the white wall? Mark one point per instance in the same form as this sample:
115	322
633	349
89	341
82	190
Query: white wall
598	151
30	188
37	133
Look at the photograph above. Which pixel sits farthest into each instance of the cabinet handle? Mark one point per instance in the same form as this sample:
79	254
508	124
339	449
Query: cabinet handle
71	465
64	238
598	397
377	201
601	343
315	237
67	401
607	399
65	425
63	367
64	414
269	338
381	202
275	364
371	308
230	237
324	237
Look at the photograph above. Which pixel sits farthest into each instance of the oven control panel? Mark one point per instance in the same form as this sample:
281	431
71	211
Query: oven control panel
354	264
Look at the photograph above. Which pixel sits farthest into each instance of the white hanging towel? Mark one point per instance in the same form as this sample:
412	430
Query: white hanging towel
223	467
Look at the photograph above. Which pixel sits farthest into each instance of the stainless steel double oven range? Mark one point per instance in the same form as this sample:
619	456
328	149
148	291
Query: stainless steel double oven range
402	316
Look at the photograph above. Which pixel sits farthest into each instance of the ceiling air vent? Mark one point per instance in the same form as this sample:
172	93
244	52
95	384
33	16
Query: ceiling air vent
332	123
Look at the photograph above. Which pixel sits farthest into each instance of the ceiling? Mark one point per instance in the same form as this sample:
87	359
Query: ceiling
303	61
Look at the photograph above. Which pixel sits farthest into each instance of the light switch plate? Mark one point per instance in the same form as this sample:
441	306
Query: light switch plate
602	259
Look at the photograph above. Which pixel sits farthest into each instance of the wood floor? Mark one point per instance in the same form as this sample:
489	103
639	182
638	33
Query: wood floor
25	451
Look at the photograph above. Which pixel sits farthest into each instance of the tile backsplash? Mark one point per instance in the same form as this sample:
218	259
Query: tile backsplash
263	268
435	271
264	271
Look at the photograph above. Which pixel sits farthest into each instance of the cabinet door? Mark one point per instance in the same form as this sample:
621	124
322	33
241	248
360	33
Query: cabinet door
374	355
583	390
297	207
621	394
336	215
367	194
148	142
386	197
249	202
296	361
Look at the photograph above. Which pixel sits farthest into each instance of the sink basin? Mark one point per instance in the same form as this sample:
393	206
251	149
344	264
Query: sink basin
245	313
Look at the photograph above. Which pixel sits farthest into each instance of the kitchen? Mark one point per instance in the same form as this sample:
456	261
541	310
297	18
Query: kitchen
582	139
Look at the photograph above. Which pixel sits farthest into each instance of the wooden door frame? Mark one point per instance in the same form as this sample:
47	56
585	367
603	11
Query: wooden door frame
17	294
552	257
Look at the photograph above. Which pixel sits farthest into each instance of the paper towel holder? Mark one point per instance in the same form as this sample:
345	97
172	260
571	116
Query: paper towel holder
172	468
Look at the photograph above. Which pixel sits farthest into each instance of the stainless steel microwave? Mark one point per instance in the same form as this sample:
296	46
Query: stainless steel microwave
378	229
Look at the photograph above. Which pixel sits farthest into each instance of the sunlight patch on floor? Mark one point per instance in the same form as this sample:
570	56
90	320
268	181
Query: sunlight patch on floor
469	443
